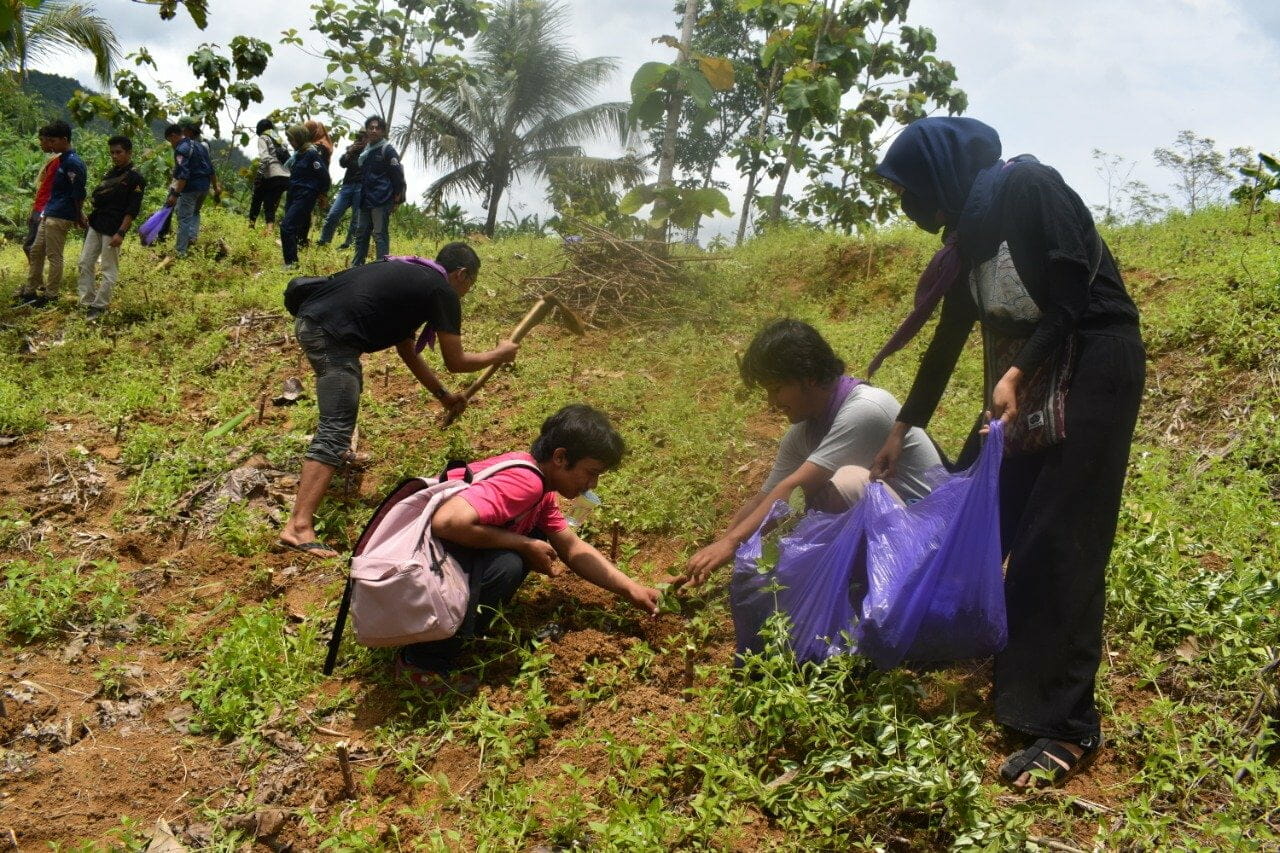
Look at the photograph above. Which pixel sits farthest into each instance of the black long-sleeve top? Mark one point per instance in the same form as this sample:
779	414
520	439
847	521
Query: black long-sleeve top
1053	243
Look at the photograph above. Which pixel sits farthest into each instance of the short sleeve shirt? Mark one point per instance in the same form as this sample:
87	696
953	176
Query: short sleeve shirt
859	431
515	498
375	306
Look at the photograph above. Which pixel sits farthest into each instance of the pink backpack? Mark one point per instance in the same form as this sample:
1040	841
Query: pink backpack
404	587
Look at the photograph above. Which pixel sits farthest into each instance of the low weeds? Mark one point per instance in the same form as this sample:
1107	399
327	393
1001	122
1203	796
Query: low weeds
44	599
257	669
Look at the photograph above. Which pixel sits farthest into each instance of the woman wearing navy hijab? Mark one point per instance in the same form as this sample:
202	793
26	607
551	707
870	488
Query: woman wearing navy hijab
1021	257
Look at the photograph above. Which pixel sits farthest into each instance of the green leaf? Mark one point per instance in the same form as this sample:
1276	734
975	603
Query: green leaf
695	85
648	79
634	200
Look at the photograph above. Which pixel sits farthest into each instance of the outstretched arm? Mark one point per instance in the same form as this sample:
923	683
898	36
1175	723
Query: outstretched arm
427	377
458	361
808	477
588	563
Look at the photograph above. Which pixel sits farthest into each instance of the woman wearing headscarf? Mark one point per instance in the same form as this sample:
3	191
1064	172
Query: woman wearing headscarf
308	179
1065	368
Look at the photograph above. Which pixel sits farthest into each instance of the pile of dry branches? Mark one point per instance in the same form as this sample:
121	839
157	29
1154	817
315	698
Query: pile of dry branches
610	281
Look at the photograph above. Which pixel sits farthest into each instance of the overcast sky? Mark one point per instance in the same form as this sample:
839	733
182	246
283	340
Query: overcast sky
1057	79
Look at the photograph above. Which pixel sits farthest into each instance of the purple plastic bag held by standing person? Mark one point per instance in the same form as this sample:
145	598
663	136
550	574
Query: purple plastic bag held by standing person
150	229
891	582
935	569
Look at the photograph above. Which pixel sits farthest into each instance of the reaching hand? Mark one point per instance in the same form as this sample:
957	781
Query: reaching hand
644	598
886	462
707	560
454	402
1004	397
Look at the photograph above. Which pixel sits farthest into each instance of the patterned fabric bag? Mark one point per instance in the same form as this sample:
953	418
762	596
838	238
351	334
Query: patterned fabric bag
1009	317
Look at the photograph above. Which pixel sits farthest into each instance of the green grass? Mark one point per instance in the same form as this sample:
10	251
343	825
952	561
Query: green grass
770	757
44	599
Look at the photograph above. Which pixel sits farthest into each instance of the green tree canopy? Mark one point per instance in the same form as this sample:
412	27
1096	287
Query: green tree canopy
57	26
526	108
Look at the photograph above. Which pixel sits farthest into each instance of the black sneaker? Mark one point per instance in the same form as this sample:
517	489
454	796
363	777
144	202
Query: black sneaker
94	314
40	302
24	298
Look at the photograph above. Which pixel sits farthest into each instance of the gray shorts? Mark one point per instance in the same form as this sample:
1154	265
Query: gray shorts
339	381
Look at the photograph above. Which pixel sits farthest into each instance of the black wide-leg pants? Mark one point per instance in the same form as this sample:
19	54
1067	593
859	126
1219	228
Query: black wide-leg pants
1059	510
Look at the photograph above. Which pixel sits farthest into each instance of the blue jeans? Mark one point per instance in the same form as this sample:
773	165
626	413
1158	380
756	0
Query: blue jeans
187	212
373	221
297	214
339	381
348	197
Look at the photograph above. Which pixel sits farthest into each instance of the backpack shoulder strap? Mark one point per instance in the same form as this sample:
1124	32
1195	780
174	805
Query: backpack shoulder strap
511	463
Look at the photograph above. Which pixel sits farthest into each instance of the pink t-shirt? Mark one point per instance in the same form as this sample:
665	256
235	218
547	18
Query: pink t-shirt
513	498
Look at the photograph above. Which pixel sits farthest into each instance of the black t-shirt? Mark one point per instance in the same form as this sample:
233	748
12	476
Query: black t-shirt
378	305
1053	243
117	196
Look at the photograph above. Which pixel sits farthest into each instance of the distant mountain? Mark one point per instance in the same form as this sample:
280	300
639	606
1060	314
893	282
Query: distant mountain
56	90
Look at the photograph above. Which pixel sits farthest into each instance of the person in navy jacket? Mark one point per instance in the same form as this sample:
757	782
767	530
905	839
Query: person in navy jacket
308	178
192	177
63	210
382	187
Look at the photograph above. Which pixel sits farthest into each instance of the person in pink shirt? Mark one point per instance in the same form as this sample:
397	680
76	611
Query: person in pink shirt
503	527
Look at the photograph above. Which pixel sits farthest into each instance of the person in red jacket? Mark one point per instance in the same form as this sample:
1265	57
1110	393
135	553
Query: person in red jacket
44	188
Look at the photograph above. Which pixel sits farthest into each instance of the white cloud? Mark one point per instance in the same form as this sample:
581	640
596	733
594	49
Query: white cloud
1056	79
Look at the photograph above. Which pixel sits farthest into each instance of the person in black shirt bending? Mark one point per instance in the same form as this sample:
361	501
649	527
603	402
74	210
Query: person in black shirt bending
367	309
1065	370
116	203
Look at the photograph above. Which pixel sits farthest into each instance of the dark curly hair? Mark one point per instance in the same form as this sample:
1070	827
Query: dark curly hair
583	432
789	350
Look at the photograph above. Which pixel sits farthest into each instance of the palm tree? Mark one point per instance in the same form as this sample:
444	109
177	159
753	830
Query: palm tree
527	111
56	26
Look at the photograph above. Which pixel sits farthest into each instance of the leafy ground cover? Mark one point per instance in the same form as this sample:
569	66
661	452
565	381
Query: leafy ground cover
161	662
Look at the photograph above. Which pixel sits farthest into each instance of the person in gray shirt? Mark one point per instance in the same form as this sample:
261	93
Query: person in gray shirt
838	424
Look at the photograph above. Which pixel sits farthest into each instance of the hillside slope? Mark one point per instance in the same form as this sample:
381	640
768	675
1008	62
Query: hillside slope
163	661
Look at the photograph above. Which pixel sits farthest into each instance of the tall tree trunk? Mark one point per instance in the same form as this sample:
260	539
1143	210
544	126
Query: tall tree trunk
754	175
495	196
775	210
667	160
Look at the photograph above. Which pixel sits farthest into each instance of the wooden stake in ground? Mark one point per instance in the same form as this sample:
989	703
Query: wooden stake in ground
344	763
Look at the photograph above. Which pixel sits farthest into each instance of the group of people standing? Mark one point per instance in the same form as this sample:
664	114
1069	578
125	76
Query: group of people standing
372	186
58	207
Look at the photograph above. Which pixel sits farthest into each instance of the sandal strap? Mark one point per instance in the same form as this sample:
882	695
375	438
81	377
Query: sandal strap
1041	755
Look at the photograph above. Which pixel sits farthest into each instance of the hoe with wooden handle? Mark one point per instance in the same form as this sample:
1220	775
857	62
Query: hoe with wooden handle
536	315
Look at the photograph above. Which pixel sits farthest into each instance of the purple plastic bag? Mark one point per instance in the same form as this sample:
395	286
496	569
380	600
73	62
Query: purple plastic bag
150	229
934	569
928	575
813	580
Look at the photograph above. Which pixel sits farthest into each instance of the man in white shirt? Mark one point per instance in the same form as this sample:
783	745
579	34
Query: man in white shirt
838	424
